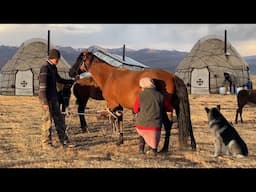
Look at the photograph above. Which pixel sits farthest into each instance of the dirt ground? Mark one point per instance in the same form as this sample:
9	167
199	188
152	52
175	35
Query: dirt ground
20	118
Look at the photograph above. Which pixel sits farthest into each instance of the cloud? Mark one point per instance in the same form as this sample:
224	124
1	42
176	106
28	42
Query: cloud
6	28
75	28
136	36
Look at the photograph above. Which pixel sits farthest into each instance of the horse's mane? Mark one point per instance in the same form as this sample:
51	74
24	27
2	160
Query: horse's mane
94	58
80	56
75	67
123	69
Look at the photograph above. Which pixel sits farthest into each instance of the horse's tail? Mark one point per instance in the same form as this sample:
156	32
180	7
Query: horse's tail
182	109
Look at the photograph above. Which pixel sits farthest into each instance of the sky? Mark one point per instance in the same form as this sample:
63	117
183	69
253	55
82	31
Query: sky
180	37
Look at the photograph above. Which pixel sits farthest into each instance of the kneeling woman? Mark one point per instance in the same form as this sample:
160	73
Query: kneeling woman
149	108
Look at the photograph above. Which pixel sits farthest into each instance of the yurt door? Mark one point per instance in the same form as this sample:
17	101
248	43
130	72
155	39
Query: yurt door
24	83
200	81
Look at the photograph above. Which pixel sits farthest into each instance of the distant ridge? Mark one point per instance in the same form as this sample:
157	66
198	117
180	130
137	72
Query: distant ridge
163	59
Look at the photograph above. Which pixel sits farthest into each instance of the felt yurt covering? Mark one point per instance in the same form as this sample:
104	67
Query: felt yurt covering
19	76
203	68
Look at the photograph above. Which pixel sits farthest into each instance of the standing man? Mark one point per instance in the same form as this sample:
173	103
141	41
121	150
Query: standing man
48	77
233	83
227	83
249	84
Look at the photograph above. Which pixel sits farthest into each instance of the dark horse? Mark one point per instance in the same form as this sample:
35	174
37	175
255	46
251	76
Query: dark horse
244	97
84	89
64	93
121	86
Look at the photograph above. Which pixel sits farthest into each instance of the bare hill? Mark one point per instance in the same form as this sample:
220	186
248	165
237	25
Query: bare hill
251	60
154	58
162	59
6	53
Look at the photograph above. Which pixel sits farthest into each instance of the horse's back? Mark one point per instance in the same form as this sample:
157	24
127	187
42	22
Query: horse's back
246	97
164	79
122	86
129	79
251	96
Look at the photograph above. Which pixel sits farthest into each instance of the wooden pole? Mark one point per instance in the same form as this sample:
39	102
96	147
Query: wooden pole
225	41
48	49
124	52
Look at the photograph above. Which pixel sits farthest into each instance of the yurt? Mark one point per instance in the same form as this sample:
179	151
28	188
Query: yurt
203	68
19	76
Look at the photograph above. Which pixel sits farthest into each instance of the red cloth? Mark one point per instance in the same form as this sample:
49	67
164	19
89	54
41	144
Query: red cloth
136	107
151	137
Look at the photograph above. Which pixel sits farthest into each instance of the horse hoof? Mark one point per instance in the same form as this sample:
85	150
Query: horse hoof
193	147
163	151
119	143
84	129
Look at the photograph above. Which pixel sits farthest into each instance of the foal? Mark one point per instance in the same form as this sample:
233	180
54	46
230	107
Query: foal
64	96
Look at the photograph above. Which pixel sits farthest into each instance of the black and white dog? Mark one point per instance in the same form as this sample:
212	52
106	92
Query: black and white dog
227	138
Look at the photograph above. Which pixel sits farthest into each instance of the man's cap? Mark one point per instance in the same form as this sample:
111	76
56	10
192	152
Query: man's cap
54	54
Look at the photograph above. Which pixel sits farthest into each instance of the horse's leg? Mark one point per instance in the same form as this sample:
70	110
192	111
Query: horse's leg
118	122
63	107
120	127
80	109
167	126
236	116
63	110
238	110
241	112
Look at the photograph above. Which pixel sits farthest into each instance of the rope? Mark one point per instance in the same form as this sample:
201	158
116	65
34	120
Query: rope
69	113
111	113
114	121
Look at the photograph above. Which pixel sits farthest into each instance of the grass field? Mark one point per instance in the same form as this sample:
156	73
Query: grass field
20	118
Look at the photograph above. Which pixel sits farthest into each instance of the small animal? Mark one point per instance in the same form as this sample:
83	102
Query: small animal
227	139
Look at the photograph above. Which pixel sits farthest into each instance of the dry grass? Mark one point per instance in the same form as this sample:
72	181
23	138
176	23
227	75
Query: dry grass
20	138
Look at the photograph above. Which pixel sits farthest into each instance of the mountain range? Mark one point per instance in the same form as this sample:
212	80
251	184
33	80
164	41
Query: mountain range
163	59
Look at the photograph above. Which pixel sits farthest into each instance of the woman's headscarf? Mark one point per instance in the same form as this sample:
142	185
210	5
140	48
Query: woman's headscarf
147	82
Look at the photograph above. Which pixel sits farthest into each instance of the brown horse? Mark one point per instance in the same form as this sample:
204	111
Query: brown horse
244	97
84	89
121	86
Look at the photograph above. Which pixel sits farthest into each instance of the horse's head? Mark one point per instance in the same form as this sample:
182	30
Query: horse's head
82	64
76	68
